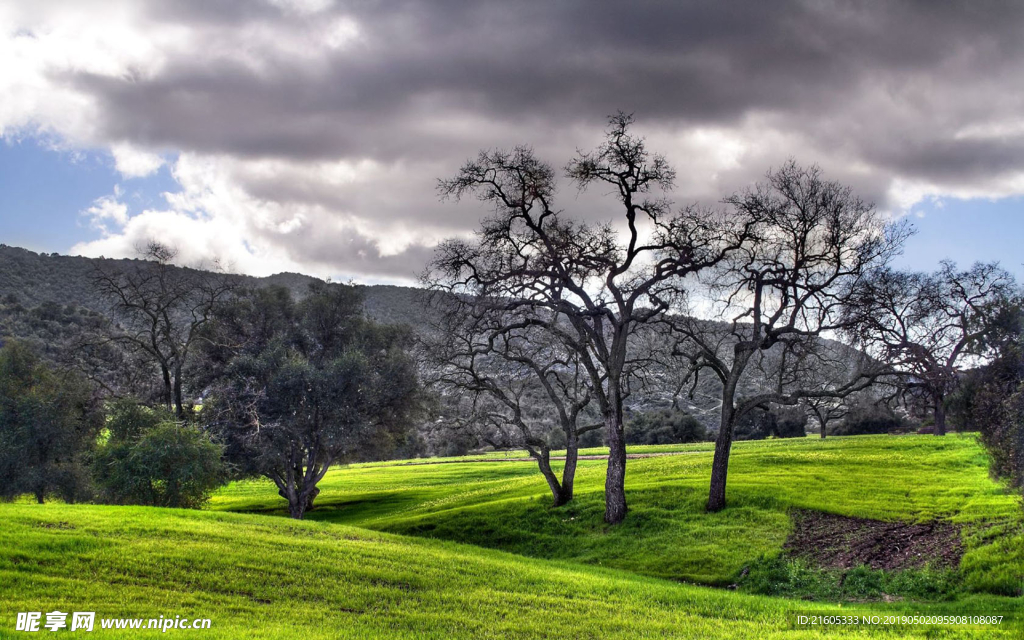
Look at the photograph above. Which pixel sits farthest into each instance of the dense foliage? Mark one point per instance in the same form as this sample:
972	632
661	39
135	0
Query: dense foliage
297	387
150	458
778	422
869	418
993	402
664	427
48	424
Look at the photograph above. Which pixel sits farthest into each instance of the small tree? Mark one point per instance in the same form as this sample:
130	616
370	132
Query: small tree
928	326
150	458
300	387
826	410
510	385
48	422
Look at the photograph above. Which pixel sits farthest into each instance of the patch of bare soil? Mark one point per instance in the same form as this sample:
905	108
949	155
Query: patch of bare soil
840	542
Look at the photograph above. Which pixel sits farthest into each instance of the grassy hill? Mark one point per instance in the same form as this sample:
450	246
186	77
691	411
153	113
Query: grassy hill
258	575
667	534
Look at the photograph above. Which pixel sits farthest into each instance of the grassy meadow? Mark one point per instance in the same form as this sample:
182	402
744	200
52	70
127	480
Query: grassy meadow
668	534
472	550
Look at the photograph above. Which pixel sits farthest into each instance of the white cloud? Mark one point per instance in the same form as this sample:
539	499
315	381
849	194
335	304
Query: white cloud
132	162
307	134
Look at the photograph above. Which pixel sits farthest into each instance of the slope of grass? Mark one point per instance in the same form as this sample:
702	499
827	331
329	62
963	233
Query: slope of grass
667	533
260	577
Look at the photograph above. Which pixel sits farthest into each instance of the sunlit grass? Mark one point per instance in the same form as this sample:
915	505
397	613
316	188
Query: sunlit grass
667	532
262	577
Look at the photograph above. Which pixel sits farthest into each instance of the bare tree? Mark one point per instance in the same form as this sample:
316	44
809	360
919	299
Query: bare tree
160	311
586	285
510	384
812	242
927	326
825	410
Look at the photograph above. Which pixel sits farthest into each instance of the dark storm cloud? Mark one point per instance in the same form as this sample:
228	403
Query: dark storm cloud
705	62
874	91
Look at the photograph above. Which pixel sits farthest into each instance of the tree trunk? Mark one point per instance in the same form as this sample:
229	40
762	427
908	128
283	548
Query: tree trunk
940	416
723	445
544	462
309	499
296	509
179	409
615	479
40	496
822	422
572	451
720	468
296	502
168	387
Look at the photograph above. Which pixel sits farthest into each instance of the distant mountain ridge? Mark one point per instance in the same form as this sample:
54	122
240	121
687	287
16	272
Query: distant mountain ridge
34	278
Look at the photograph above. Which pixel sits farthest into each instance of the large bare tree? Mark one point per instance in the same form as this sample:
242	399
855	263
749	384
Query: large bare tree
812	242
927	326
160	311
587	285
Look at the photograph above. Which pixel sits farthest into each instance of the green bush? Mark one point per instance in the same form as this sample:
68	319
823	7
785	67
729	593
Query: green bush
664	427
790	422
151	459
866	418
756	424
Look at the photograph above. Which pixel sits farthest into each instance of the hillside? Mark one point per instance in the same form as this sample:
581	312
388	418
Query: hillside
668	534
262	576
29	280
34	278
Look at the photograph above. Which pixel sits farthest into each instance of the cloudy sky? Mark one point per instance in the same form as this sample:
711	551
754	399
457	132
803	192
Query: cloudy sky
308	135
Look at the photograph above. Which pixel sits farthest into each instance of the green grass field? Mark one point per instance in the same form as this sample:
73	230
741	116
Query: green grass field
668	534
558	573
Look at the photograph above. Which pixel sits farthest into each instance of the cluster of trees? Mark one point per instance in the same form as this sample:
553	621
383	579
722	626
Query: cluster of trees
195	380
552	321
543	333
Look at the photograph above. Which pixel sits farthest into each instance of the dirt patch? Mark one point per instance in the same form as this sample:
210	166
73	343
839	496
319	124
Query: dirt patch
840	542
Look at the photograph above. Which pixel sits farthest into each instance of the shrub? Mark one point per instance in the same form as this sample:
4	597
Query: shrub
791	422
866	418
664	427
756	424
151	459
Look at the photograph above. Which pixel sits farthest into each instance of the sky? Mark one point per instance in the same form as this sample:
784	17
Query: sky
309	135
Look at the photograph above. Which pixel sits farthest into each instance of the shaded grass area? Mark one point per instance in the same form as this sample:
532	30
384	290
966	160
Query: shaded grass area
259	577
667	532
795	578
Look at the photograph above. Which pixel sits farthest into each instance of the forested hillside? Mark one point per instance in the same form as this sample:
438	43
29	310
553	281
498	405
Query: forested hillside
47	298
31	279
